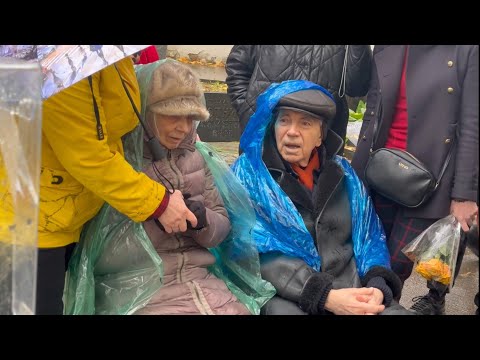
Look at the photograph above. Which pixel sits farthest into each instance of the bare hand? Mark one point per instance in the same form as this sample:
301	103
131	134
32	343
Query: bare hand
464	212
353	301
174	218
376	298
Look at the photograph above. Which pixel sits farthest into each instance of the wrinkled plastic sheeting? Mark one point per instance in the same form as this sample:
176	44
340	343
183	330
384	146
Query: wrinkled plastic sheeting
369	240
114	269
20	141
280	226
237	260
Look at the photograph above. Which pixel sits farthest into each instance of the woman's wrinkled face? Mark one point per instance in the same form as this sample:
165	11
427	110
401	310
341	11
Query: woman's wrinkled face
297	134
171	130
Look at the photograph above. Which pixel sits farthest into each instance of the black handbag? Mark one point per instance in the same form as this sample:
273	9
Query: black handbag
400	176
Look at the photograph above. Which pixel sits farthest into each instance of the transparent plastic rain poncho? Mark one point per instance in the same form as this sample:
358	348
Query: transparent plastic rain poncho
114	269
280	226
113	242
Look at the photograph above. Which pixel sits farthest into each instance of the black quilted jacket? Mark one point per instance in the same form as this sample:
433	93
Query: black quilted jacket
252	68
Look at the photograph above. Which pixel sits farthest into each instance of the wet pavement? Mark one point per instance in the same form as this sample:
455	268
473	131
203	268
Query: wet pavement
458	302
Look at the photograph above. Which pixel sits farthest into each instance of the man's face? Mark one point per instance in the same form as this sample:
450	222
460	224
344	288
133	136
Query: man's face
297	134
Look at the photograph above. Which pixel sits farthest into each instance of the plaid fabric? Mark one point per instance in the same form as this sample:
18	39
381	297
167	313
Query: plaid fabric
399	231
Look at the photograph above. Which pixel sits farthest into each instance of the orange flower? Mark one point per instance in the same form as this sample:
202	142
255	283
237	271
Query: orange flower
434	269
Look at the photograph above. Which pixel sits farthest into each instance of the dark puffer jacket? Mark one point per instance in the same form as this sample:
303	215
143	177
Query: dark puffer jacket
252	68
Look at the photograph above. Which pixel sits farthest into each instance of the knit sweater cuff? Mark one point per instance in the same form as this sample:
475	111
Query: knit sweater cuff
391	279
379	283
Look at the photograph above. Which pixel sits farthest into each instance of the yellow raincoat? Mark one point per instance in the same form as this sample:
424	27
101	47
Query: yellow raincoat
6	211
79	171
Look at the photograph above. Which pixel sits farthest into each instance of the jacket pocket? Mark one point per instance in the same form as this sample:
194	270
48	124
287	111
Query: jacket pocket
65	204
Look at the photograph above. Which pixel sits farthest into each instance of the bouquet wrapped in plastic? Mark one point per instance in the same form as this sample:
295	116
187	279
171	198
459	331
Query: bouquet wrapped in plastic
435	250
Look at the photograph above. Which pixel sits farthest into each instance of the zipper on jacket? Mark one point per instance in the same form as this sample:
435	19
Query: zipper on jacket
180	265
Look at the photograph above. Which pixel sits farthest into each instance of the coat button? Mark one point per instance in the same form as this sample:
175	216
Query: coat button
447	141
450	63
372	113
450	90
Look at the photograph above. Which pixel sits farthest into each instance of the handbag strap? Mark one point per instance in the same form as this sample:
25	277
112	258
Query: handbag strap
376	131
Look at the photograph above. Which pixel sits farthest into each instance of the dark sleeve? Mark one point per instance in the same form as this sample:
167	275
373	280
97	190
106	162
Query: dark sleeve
239	68
379	283
372	99
391	279
465	184
359	68
294	280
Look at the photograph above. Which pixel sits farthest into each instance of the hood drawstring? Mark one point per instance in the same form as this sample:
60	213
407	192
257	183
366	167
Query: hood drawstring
100	134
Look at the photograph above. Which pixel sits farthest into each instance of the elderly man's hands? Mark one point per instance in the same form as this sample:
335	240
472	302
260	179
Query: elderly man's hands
355	301
376	298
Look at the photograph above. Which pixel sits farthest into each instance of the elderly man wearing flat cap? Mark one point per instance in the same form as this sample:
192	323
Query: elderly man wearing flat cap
320	241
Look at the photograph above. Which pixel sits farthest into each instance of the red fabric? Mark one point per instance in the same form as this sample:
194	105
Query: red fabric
305	175
162	207
148	55
397	136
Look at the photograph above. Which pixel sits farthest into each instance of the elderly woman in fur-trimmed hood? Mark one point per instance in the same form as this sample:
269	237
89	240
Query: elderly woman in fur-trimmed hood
321	243
174	101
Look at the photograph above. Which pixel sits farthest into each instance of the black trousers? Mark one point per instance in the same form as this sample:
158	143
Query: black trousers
52	266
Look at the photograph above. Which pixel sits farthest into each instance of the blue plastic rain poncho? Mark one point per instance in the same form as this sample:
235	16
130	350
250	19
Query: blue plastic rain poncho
280	226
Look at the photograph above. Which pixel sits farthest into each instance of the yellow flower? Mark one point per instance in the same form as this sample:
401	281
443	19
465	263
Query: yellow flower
434	269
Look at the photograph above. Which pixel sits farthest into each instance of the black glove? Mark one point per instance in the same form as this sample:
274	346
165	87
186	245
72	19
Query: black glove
200	212
197	208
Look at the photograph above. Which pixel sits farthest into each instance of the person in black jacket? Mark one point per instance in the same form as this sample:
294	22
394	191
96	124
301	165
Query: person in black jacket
321	244
341	69
424	99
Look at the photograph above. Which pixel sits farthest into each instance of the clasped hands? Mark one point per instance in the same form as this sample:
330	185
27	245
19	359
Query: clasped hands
355	301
